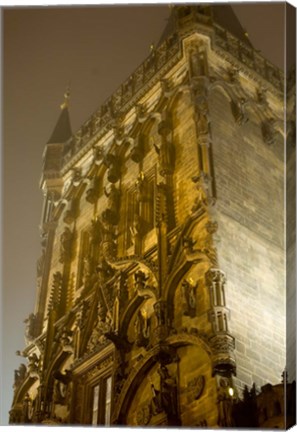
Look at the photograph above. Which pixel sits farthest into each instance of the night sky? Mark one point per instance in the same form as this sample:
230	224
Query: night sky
95	49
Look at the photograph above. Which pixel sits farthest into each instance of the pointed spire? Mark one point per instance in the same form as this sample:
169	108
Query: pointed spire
206	14
62	131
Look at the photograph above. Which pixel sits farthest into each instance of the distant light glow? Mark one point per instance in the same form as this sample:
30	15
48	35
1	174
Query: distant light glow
231	391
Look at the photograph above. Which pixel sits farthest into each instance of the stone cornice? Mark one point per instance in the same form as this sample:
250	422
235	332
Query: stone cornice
151	71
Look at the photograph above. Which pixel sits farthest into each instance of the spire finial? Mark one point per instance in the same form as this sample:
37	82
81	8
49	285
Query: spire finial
66	98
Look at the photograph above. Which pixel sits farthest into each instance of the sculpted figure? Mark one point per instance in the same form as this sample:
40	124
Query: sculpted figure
111	214
166	150
168	391
224	405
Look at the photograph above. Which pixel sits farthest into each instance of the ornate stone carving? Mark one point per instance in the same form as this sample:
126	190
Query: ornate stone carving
189	294
203	198
215	280
71	211
142	328
111	214
66	245
144	414
261	96
103	326
239	111
66	340
140	280
55	295
33	366
30	332
194	388
165	150
225	417
168	395
223	359
27	409
112	162
198	63
138	149
92	193
76	176
161	330
233	75
98	154
195	255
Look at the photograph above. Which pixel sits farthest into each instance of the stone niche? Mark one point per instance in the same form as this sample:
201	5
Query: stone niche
189	380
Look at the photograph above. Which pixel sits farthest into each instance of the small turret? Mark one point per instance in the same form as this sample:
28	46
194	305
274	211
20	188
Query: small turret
53	153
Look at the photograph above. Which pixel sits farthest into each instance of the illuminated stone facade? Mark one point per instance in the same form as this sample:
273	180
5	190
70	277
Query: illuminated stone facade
161	283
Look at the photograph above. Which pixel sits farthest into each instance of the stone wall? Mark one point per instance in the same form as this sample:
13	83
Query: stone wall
249	177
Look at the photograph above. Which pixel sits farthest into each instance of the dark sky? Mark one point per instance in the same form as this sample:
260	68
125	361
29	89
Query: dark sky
44	49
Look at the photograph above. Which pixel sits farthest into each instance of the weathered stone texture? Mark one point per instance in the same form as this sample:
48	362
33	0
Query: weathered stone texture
250	215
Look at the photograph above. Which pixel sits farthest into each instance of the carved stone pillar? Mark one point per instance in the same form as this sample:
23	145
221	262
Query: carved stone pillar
222	342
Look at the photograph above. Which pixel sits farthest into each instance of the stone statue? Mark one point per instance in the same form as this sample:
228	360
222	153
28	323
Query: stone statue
142	329
168	390
197	62
111	214
189	294
66	244
166	150
224	405
33	365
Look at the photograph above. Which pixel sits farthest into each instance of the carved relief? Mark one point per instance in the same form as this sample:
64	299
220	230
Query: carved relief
144	414
194	388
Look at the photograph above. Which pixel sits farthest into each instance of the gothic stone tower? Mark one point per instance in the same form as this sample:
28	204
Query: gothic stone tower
161	282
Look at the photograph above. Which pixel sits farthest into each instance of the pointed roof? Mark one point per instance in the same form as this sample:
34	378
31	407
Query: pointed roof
221	14
62	131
